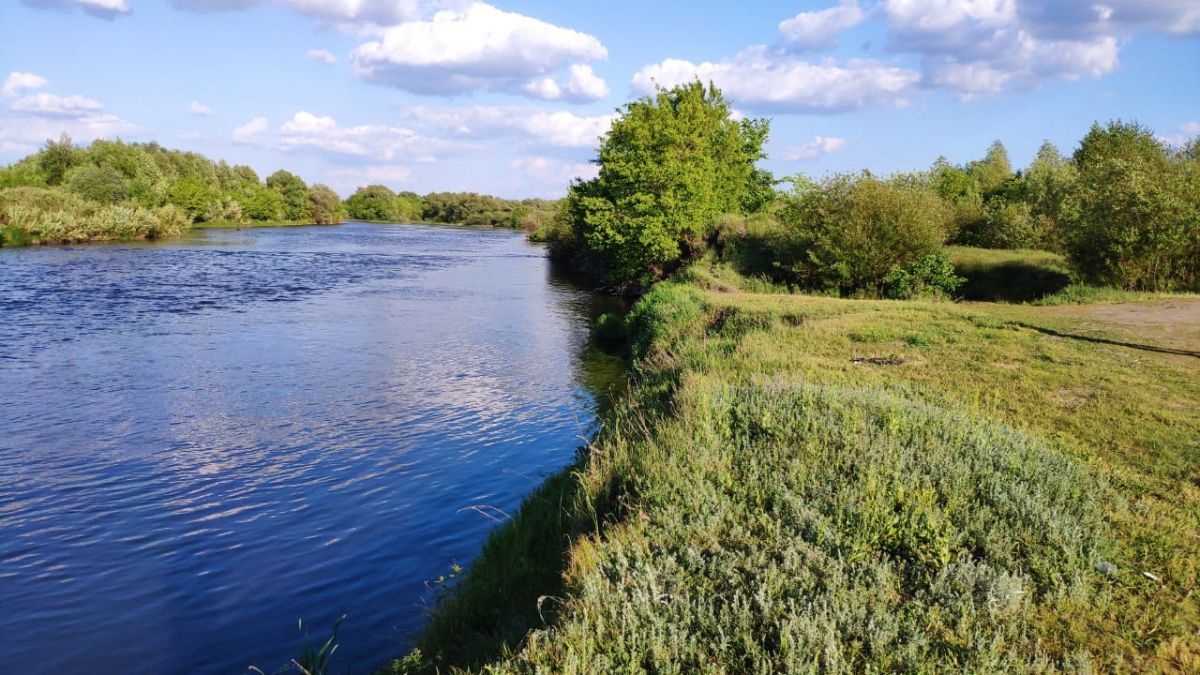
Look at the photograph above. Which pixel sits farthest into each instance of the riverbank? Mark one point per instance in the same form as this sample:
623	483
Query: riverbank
798	483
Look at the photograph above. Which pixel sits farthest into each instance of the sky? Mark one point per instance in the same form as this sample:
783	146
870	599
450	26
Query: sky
510	98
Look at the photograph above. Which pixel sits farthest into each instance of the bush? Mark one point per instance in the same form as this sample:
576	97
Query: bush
1007	224
49	216
1135	215
929	276
851	232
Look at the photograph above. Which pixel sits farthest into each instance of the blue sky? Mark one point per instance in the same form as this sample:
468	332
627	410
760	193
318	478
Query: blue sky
508	98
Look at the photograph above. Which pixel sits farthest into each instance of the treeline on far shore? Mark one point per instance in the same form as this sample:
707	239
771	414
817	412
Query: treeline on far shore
114	190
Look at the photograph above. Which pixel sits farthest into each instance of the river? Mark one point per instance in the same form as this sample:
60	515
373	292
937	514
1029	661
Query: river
207	441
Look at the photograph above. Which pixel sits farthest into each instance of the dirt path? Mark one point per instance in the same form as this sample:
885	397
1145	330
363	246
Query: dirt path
1172	324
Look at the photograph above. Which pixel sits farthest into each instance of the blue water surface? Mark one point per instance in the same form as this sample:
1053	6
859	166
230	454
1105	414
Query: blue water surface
203	442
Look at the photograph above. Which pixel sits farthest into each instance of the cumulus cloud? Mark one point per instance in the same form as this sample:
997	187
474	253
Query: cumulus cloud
198	108
767	80
251	131
306	130
53	105
104	9
555	128
981	47
817	147
808	31
322	55
480	48
15	83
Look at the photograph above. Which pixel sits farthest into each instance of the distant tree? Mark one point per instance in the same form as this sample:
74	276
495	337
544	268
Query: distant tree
993	170
670	165
294	192
373	202
262	204
1135	212
56	158
325	205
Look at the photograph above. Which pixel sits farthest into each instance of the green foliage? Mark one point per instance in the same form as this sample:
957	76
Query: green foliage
993	171
294	192
56	158
931	275
670	165
379	204
324	205
851	232
1135	213
50	216
262	204
610	332
1015	275
25	173
98	183
190	194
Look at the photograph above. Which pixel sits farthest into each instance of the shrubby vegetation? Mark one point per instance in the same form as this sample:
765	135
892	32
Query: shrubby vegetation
678	182
378	203
117	190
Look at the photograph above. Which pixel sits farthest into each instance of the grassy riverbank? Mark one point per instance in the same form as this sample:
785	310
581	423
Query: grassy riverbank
799	483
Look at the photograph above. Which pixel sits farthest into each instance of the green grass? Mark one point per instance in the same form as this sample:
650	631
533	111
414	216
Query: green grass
766	499
1000	275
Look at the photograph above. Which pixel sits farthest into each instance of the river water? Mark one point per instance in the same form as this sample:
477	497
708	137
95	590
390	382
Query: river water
206	441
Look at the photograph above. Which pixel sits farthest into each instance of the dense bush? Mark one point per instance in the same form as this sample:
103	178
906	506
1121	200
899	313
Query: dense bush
1135	213
851	232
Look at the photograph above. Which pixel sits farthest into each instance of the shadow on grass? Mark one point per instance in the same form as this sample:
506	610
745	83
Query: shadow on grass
1011	282
1106	341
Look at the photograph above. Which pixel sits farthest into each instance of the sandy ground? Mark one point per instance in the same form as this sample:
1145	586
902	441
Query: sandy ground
1169	324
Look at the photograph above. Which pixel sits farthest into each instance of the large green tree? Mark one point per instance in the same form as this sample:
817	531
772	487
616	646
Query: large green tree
670	166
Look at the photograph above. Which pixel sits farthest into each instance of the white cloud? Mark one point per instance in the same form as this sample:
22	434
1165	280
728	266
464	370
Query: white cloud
53	105
981	47
251	131
319	132
560	128
767	80
818	146
198	108
808	31
476	48
322	55
584	85
105	9
363	14
16	82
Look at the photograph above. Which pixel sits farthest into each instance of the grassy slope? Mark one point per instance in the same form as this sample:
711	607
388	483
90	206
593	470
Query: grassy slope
764	503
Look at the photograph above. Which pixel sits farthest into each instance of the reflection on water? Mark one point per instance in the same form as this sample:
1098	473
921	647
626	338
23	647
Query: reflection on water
203	442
